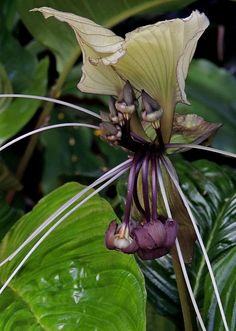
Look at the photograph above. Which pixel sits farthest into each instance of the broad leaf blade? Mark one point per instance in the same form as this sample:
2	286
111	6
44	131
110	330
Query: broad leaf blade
72	281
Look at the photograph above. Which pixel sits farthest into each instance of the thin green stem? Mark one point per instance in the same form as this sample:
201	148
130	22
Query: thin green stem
186	305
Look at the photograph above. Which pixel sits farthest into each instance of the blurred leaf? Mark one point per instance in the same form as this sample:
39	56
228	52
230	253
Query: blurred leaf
103	12
210	190
21	69
224	271
20	111
5	87
74	157
157	322
8	216
8	13
7	180
72	281
211	91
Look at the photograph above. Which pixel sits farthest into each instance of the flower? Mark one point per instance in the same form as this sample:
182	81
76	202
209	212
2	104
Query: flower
144	74
154	58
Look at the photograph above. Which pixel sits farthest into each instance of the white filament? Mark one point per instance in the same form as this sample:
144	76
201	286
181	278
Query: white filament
208	263
54	226
204	148
59	211
181	260
45	128
63	103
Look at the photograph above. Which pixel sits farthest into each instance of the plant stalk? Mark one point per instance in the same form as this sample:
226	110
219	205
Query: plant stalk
186	304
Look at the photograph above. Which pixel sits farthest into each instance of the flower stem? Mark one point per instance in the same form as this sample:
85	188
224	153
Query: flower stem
186	305
145	173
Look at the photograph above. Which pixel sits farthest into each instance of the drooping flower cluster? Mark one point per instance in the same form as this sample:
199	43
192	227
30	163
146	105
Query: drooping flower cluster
149	234
145	76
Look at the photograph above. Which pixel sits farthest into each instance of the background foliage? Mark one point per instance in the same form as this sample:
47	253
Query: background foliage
72	281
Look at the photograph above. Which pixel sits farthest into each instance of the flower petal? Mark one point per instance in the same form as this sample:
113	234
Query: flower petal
157	58
192	128
95	42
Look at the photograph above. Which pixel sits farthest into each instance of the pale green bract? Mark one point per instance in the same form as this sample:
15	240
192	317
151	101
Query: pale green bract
154	58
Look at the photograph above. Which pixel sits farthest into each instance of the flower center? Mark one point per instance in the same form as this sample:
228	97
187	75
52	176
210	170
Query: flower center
129	121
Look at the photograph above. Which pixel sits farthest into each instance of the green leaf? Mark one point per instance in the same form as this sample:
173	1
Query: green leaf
210	190
74	157
8	13
104	12
8	216
72	281
211	92
21	69
20	111
5	87
157	322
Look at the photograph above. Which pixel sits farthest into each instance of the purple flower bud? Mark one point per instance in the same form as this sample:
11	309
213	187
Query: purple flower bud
171	230
151	235
110	235
143	238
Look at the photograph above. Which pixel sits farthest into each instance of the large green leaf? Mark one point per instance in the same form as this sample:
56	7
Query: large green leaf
72	282
58	36
210	190
211	91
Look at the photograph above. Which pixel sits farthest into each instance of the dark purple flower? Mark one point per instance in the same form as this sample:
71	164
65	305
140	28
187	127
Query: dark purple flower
150	235
118	237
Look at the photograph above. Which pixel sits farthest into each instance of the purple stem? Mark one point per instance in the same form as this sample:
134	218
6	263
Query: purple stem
135	193
131	182
154	188
145	187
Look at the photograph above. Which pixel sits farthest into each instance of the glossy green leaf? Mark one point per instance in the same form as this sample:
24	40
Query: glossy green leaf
224	270
20	111
210	190
104	12
72	282
214	103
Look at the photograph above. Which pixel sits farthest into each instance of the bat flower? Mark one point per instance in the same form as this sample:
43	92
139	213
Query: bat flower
144	75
